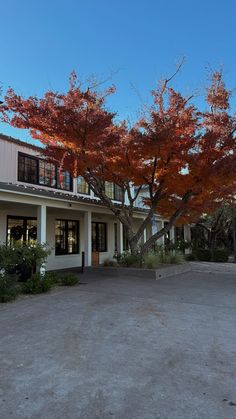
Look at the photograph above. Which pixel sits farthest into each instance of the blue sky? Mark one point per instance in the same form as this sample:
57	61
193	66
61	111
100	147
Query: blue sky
136	41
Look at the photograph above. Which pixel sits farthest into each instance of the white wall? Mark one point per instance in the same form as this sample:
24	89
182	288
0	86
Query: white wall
8	160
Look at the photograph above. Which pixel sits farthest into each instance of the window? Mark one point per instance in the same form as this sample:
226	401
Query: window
118	193
21	230
125	240
41	172
64	180
99	237
47	174
109	189
82	186
66	237
113	191
179	233
27	169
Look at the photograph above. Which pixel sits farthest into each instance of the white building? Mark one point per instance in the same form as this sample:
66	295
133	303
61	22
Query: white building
39	203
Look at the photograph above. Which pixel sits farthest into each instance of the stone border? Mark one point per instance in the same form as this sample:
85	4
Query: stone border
164	271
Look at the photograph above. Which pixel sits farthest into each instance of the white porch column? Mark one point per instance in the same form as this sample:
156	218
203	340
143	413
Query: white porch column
187	236
119	237
161	240
172	234
187	232
88	238
144	235
41	224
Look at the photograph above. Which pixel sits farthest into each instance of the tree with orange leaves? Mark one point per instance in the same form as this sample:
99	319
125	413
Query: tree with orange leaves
180	160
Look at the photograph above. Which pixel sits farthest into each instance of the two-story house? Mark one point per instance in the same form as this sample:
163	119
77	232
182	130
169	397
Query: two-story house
37	203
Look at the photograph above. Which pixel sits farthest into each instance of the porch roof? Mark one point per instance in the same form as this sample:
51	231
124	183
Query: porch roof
54	194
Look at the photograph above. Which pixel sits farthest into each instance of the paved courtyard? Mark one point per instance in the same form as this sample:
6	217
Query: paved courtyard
122	348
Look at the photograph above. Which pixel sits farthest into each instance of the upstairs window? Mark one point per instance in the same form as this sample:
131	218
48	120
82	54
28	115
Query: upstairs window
47	174
118	193
113	191
109	189
38	171
82	186
27	169
64	180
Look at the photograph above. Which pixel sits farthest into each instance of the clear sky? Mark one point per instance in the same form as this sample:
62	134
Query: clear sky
138	41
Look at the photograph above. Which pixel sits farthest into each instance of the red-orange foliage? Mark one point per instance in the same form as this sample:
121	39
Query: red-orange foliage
180	158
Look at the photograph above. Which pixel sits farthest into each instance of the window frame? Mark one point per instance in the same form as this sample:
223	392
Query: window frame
82	193
38	159
24	219
20	154
66	220
114	190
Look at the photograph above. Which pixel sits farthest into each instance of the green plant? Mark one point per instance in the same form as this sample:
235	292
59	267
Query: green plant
29	257
128	259
190	257
23	259
220	255
176	258
69	280
151	261
8	289
8	258
203	255
38	284
110	262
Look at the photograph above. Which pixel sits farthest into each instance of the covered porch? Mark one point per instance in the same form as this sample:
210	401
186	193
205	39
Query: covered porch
69	228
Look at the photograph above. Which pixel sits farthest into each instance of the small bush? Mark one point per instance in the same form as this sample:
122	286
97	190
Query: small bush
8	289
176	258
151	261
190	257
38	284
109	262
203	255
220	255
127	259
69	280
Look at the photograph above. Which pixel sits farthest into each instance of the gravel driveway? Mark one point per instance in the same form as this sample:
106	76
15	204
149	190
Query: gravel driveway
122	348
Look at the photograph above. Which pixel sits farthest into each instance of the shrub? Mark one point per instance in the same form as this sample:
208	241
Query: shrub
220	255
203	255
109	262
38	284
8	259
128	259
190	257
29	257
176	258
151	261
69	280
8	289
23	259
